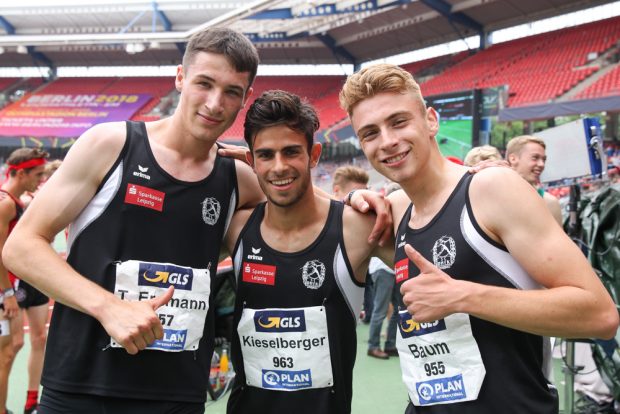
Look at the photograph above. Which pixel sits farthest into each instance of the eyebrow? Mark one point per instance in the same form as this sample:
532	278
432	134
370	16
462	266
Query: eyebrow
388	119
269	150
203	77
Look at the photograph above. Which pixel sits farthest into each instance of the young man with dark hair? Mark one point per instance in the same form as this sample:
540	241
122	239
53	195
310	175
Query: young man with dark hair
300	261
25	171
487	280
148	205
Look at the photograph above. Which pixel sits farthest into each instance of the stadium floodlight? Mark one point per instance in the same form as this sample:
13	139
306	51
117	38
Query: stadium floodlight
22	50
154	45
1	50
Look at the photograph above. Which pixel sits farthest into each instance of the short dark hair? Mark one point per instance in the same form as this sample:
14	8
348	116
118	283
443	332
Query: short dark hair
277	107
25	154
237	48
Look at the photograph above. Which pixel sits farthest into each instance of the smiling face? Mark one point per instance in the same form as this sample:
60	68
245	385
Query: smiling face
282	164
396	133
212	93
529	162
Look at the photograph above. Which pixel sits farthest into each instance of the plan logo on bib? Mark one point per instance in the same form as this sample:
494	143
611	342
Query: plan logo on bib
444	252
287	380
441	390
313	274
211	210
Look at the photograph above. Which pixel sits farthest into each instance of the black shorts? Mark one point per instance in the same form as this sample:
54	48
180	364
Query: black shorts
56	402
28	297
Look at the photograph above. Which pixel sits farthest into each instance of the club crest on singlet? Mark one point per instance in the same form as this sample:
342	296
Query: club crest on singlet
444	252
313	274
210	210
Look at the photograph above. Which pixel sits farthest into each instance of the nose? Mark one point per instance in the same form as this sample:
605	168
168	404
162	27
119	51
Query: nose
389	138
214	101
278	163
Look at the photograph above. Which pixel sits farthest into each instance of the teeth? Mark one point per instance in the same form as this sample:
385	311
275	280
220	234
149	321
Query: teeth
396	158
282	182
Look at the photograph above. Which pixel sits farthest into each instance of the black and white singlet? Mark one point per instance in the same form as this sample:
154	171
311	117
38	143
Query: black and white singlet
462	364
295	314
142	232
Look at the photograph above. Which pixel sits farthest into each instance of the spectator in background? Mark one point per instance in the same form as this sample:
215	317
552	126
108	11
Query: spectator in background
482	153
347	179
385	292
526	155
51	167
25	173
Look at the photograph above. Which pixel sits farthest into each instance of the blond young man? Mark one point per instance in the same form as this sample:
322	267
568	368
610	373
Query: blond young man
348	178
487	278
526	155
482	153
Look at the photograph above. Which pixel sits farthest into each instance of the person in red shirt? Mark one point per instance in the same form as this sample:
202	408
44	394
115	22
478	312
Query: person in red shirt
24	174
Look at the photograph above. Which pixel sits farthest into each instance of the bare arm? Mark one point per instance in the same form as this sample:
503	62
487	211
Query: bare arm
250	193
7	213
357	229
573	304
62	198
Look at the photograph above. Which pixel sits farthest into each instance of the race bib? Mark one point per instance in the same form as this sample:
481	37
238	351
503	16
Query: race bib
183	318
286	349
440	360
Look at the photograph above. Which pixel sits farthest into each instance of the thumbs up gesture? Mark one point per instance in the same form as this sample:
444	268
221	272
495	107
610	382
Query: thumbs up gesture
432	294
135	325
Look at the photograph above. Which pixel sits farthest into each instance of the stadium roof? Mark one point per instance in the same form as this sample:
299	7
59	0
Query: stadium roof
145	32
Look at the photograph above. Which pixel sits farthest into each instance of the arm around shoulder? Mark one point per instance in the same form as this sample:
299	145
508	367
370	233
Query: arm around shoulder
250	193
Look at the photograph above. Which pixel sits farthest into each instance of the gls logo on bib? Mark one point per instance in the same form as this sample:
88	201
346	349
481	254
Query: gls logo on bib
409	327
280	321
151	274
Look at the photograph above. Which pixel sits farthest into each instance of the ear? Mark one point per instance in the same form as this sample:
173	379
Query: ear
315	154
248	93
178	80
512	159
432	119
250	159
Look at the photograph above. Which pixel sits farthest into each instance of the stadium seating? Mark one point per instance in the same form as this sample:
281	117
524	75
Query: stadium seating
536	69
321	91
608	85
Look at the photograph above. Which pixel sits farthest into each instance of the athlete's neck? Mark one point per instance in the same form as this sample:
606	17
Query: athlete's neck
13	187
430	189
293	228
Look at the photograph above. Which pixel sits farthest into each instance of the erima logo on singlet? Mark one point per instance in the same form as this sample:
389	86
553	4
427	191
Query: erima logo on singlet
280	321
151	274
402	241
254	255
409	327
142	172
